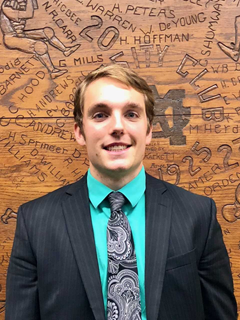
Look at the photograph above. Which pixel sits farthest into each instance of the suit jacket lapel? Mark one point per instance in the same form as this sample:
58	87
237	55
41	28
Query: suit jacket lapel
78	220
158	219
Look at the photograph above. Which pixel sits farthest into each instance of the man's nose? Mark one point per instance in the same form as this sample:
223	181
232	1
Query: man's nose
117	124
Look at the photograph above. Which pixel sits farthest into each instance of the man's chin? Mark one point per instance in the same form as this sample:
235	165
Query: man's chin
119	171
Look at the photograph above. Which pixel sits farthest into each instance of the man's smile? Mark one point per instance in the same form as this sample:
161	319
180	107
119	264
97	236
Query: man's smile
116	146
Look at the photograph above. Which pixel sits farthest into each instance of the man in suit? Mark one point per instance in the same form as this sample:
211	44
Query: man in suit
68	254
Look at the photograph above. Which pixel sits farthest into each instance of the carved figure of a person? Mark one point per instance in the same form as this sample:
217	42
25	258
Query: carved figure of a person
13	18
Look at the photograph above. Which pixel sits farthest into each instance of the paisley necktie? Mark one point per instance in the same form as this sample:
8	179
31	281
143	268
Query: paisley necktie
123	301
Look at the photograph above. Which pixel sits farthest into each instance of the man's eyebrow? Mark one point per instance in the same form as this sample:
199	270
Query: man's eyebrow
96	106
133	105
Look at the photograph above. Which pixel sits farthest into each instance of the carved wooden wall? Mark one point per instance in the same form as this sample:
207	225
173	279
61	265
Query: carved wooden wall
188	50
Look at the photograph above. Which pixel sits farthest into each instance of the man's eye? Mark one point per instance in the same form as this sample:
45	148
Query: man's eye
99	116
132	114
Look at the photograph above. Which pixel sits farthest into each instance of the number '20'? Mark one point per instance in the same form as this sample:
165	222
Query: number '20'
108	31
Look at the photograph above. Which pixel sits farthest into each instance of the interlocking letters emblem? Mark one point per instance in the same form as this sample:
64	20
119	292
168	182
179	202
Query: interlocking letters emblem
180	116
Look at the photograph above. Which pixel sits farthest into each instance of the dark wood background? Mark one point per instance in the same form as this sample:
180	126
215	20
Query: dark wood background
177	46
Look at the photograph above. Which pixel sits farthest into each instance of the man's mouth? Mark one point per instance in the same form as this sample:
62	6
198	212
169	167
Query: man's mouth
116	147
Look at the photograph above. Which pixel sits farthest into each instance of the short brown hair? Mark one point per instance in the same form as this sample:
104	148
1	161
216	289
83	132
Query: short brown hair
124	75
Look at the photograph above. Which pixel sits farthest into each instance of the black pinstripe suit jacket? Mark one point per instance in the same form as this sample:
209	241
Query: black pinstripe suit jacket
53	272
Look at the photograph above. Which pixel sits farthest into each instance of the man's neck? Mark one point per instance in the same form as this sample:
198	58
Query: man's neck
115	180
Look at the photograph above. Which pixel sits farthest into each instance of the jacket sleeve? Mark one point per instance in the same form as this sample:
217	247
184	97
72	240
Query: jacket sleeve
215	275
22	285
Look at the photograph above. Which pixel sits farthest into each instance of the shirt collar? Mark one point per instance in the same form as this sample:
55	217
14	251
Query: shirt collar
133	191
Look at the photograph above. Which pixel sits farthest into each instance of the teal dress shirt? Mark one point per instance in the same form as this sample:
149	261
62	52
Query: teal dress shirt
134	191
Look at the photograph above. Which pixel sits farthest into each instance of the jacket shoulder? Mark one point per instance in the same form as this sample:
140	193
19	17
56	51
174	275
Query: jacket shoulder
54	198
175	191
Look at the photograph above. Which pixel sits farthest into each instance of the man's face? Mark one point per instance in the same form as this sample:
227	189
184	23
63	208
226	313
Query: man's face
115	129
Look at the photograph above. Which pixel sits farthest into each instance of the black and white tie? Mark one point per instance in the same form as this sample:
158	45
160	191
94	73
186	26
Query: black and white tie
123	301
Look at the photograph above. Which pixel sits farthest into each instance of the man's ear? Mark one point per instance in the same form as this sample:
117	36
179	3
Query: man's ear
79	135
149	135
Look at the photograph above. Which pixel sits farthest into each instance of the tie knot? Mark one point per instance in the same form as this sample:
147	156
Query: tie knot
116	200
